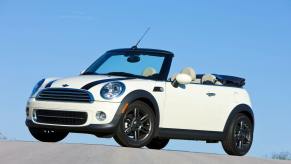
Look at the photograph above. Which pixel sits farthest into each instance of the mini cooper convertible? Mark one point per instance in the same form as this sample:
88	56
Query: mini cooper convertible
127	94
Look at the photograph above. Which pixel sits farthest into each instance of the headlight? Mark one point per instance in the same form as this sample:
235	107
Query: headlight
37	86
112	90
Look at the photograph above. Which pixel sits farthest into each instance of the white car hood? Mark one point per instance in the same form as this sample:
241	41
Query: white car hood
79	82
94	83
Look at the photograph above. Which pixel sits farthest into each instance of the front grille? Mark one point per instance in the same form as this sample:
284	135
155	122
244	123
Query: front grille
64	94
60	117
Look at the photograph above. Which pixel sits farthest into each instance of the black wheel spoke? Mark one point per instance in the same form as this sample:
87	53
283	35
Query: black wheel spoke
144	130
240	143
138	134
135	136
241	125
144	118
127	131
135	113
247	139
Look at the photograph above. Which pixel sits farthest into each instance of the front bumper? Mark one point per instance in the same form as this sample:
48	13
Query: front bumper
98	130
91	126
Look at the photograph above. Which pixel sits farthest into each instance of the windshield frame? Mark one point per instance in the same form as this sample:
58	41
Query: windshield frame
165	67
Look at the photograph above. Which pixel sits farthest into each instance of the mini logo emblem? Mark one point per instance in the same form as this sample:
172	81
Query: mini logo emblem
65	85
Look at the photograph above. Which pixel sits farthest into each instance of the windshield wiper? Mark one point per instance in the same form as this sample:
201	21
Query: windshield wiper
121	74
114	74
89	73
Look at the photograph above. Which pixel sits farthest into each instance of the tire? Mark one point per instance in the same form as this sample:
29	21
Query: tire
137	126
44	135
158	143
239	136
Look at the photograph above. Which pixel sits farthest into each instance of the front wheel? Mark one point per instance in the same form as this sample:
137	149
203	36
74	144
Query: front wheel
45	135
137	126
239	136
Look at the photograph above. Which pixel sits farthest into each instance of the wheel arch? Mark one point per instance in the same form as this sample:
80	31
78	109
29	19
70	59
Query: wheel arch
241	108
147	98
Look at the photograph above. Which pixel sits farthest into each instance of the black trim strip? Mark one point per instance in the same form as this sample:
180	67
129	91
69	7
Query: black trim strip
50	84
190	134
94	83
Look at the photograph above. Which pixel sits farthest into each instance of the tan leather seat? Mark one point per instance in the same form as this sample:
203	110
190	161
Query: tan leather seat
189	71
149	71
210	79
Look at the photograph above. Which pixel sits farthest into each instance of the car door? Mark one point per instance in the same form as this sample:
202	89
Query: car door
193	107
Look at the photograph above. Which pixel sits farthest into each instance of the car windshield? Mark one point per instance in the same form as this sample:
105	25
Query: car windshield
129	64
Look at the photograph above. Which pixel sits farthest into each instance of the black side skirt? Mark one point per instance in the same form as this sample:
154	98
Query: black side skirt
190	134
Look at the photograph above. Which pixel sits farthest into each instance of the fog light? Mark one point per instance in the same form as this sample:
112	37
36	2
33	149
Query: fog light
100	116
34	115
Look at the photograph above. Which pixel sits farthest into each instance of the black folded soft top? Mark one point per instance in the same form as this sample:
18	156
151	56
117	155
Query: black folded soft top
226	80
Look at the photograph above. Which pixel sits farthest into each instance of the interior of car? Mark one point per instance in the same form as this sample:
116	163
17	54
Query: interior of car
207	79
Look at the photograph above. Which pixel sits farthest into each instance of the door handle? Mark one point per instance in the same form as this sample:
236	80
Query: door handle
210	94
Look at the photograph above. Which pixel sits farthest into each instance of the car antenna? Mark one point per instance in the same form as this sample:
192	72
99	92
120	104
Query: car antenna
143	35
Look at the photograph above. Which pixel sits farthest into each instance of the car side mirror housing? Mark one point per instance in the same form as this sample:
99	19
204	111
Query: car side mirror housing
183	79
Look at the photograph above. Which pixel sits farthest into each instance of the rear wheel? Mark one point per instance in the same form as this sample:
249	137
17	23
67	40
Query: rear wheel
239	136
45	135
137	126
158	143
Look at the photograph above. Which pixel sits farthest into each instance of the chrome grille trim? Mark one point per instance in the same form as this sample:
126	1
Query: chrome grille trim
65	94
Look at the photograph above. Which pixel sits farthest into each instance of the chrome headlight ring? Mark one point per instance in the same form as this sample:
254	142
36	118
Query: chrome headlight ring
112	90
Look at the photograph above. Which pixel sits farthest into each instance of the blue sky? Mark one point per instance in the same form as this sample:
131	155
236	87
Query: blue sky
251	39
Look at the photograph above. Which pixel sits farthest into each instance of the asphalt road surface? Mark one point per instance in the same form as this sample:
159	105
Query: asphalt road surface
16	152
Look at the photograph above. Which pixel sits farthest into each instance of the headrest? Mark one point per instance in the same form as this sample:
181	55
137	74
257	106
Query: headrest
149	71
189	71
208	79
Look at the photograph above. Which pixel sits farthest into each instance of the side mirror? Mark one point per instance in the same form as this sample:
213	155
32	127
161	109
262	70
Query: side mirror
182	78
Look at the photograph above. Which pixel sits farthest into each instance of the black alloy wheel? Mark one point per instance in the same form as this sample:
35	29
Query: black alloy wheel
239	136
137	126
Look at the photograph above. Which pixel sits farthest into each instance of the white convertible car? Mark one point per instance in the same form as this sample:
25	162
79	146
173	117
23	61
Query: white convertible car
126	94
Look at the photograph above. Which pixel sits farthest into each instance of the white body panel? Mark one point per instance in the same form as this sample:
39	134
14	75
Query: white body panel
191	107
